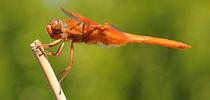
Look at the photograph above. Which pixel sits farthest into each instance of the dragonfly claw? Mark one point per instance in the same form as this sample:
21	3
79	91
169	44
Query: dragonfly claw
64	73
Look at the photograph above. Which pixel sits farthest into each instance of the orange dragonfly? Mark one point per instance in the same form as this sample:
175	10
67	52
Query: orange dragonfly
79	29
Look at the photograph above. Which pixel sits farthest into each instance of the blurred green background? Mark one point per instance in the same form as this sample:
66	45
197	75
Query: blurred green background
131	72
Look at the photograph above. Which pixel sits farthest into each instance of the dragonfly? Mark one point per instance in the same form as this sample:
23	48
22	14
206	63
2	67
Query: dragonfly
79	29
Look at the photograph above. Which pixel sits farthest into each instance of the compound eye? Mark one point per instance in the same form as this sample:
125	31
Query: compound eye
55	24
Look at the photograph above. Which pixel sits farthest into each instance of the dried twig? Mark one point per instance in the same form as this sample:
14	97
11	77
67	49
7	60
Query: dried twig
48	71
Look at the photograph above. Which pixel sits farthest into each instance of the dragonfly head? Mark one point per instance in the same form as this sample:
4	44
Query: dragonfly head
54	29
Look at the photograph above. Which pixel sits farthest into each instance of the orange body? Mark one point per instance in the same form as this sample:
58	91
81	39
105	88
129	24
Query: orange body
80	29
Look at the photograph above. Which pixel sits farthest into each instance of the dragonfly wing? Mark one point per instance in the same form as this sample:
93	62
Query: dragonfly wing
79	17
113	36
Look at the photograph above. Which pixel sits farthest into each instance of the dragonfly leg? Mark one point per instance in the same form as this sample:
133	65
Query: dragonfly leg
58	52
52	44
66	71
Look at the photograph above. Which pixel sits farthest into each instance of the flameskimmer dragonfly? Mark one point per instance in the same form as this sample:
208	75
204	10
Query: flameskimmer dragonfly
79	29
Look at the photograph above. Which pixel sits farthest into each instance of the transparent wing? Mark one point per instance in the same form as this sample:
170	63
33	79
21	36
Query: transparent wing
78	17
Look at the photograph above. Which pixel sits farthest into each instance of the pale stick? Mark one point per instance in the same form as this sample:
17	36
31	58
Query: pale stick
48	71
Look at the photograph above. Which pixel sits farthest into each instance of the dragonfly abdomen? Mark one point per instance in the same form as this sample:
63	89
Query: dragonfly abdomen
156	41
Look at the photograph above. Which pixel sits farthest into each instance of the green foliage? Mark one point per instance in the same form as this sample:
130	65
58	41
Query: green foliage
133	72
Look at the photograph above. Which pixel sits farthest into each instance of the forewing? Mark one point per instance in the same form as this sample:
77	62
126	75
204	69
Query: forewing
79	17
